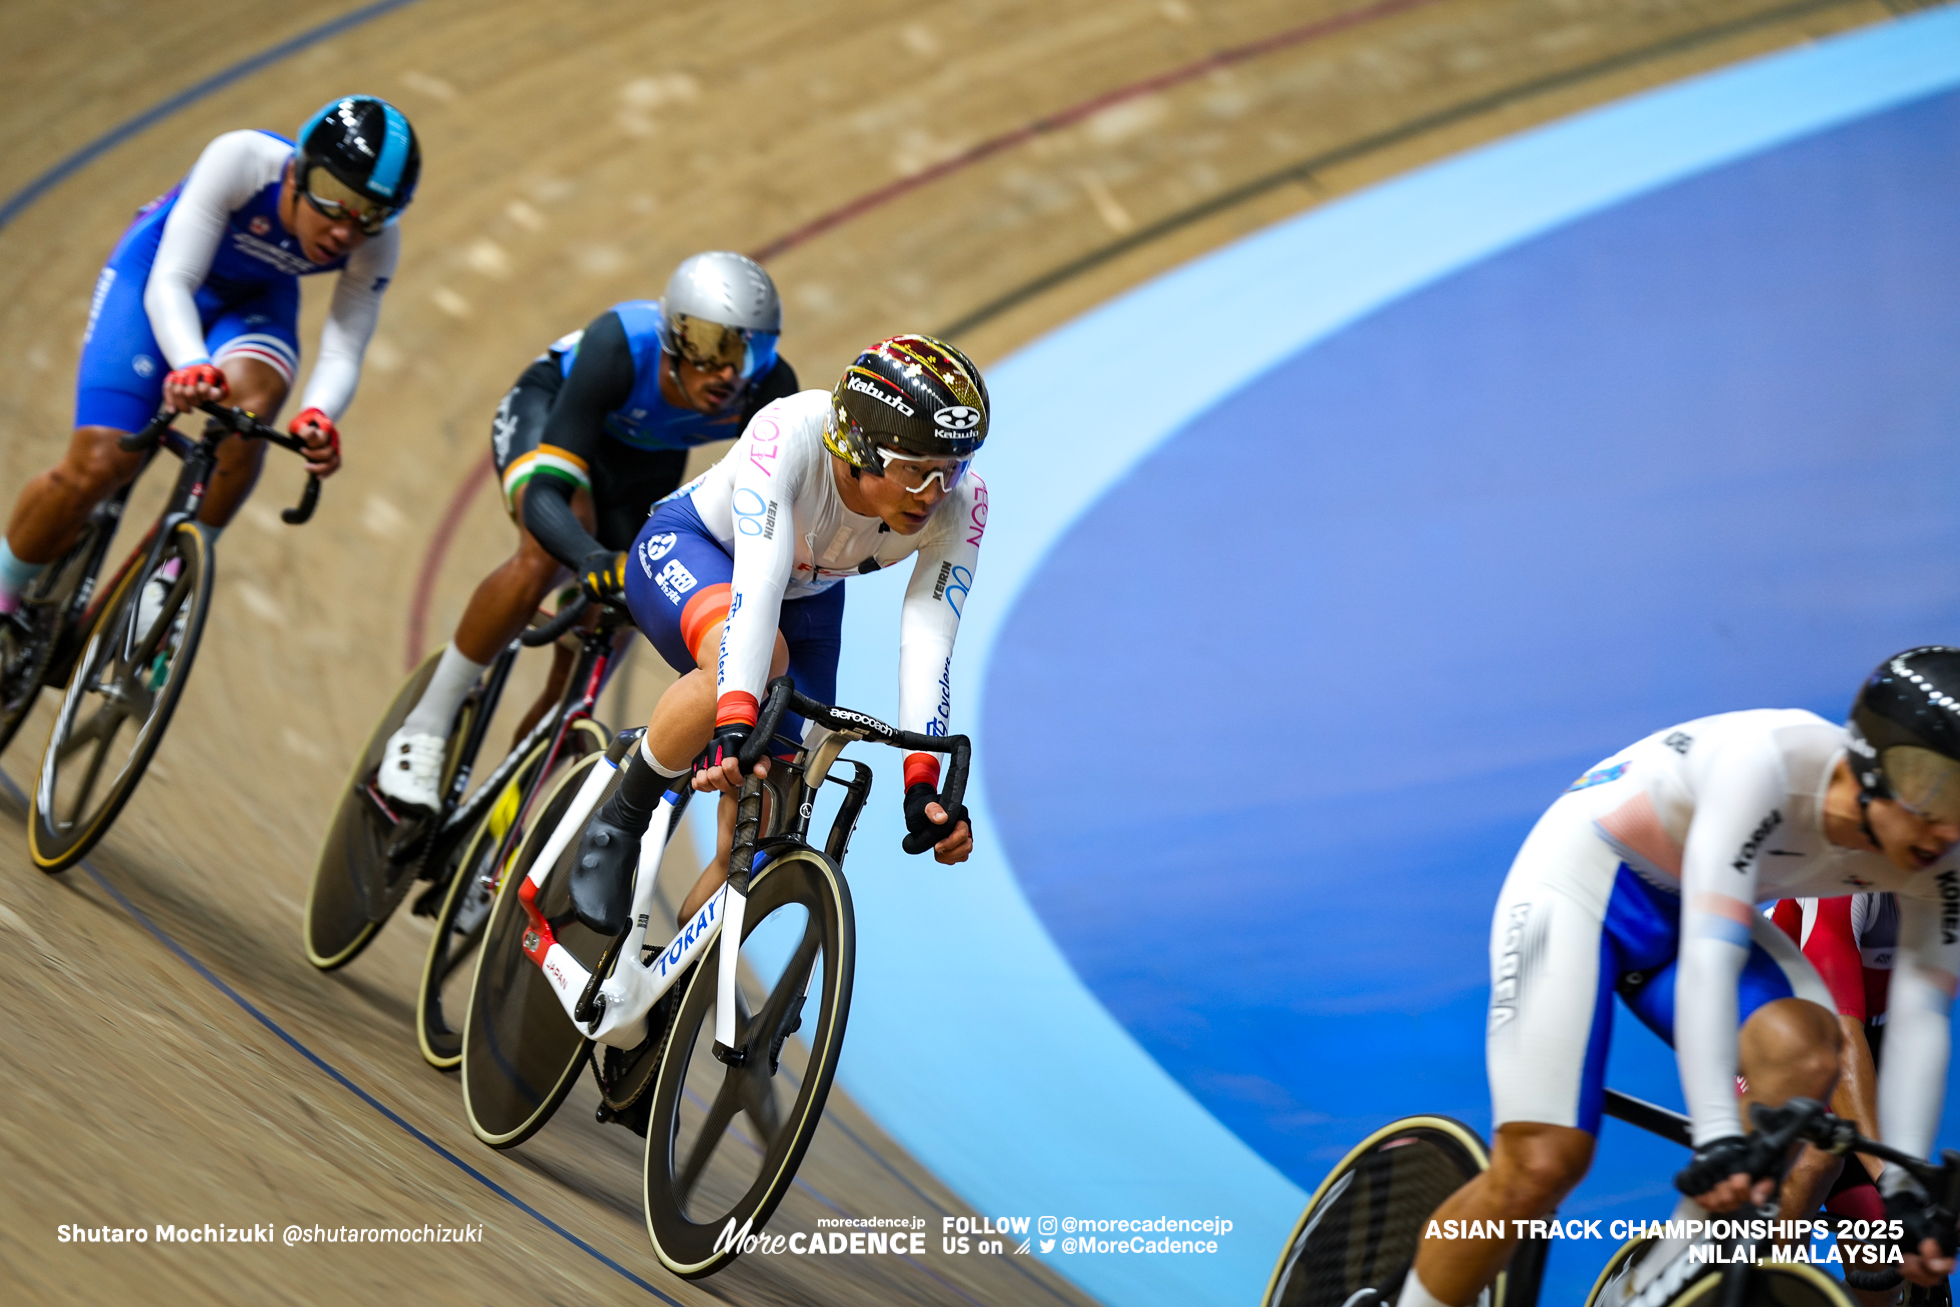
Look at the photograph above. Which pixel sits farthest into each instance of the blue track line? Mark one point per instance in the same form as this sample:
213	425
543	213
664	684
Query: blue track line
251	1009
18	202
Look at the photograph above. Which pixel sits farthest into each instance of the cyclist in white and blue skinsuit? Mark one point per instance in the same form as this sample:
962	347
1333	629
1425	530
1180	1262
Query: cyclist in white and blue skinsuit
1643	879
200	301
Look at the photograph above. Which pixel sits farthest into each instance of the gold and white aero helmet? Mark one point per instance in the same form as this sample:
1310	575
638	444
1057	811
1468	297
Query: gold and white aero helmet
721	308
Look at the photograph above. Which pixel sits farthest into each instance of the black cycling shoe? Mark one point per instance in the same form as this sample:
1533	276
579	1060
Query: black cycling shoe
602	877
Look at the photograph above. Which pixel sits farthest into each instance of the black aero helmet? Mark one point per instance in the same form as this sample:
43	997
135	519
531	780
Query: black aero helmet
913	394
1905	732
366	146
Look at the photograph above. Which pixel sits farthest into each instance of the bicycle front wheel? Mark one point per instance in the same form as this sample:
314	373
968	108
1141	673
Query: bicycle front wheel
724	1142
126	683
1361	1228
465	911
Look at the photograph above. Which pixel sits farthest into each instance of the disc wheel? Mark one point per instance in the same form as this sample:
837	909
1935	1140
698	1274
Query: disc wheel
32	632
337	923
1625	1258
1361	1228
521	1053
465	910
132	670
724	1142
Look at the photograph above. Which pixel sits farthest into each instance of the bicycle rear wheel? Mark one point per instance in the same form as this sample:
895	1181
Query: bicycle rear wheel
723	1143
125	677
465	911
1364	1223
31	634
521	1053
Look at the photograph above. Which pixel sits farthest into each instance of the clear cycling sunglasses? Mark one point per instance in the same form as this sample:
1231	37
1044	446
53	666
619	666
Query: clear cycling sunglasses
914	472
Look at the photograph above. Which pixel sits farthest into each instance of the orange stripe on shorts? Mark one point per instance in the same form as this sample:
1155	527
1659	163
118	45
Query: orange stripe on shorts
707	607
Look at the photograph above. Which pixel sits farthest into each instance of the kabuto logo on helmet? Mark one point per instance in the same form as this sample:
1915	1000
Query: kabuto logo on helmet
864	387
959	417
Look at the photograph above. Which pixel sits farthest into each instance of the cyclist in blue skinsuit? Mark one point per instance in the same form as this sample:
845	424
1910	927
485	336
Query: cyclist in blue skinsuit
595	431
200	301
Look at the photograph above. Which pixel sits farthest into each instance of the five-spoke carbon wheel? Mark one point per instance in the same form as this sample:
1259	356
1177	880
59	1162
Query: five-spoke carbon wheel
724	1142
133	666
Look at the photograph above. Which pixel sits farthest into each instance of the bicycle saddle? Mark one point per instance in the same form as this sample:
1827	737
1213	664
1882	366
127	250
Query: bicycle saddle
602	877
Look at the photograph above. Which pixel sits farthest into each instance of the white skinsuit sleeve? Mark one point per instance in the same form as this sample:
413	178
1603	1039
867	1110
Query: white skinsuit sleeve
1737	815
1918	1028
942	577
231	171
767	478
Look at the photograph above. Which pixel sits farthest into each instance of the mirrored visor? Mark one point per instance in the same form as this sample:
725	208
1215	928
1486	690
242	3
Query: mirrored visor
1924	781
335	199
712	346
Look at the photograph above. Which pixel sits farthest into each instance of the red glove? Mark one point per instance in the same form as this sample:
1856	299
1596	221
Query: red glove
199	374
313	417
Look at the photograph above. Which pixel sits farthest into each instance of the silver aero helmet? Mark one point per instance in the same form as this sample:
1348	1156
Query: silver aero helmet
721	309
1905	733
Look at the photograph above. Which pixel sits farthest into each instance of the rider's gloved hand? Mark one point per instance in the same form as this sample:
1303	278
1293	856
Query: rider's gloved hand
184	388
922	832
322	441
717	769
1714	1162
1919	1217
602	575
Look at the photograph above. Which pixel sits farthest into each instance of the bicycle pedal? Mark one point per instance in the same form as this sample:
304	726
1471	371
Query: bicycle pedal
737	1056
429	902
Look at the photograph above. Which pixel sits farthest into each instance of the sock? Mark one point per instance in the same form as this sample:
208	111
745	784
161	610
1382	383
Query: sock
670	773
454	676
1416	1294
632	805
14	577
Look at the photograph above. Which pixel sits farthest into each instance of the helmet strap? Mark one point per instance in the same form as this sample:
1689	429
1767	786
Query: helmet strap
1865	817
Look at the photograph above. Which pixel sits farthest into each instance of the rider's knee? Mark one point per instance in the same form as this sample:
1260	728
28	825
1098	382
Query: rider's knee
95	463
1791	1045
1534	1166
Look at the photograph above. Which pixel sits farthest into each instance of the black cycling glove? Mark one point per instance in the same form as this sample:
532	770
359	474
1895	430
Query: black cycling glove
602	575
1919	1217
922	832
1714	1162
726	744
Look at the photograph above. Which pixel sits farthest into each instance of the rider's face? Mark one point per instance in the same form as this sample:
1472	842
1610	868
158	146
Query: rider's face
904	511
321	239
705	389
1911	841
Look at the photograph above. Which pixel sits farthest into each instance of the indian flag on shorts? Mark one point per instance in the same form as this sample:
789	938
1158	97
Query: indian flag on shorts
548	460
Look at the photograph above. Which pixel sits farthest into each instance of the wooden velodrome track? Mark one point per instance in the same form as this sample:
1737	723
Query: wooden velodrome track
574	153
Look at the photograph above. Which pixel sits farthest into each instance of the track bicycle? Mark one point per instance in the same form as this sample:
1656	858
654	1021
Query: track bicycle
372	857
689	1040
124	652
1743	1272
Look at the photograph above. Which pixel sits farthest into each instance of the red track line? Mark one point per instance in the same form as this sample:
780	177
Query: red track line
425	581
1076	113
439	545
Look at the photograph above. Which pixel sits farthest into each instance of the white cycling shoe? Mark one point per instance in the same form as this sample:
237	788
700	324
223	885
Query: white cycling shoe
411	769
149	604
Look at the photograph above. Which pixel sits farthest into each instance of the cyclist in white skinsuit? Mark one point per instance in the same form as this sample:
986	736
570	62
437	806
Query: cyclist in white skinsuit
1643	878
737	577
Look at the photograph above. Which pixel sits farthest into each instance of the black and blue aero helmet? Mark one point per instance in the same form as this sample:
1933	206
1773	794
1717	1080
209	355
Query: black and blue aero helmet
1905	732
358	158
